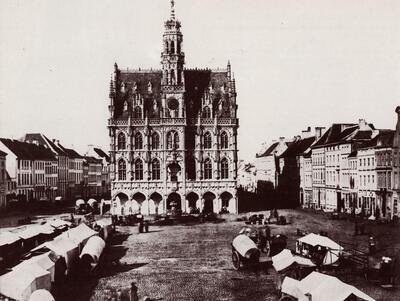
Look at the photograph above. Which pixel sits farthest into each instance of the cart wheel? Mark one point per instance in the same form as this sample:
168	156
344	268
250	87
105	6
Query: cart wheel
236	260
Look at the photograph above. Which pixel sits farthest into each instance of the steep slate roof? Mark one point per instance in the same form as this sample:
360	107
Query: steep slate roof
102	154
70	152
298	147
90	159
43	140
197	82
382	140
335	134
269	150
28	151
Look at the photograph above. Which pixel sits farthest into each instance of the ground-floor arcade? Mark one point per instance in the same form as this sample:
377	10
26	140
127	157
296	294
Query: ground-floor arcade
124	203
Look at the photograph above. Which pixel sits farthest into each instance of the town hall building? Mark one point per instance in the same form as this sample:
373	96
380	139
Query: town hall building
173	135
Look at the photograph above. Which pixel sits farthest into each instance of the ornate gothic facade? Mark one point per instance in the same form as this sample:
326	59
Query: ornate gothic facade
173	135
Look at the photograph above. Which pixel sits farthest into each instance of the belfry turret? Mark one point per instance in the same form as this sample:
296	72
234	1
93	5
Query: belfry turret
172	57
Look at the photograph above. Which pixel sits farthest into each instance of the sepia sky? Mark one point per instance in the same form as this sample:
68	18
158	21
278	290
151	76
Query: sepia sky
296	63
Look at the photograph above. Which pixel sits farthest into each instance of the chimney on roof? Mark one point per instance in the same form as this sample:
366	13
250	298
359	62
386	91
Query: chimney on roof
362	125
319	131
281	139
306	133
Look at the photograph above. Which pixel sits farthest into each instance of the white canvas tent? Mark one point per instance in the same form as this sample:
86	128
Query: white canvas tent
20	283
64	247
8	238
333	248
42	260
79	234
291	287
285	259
321	287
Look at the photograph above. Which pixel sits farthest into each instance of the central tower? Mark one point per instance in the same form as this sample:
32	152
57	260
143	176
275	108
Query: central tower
172	61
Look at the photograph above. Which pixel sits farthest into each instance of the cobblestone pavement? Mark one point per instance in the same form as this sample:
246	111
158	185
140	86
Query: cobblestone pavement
193	262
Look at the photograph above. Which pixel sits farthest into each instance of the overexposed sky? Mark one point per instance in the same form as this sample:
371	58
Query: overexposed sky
297	63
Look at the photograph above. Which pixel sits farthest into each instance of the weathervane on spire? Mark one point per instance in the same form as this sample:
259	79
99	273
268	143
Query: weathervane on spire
172	10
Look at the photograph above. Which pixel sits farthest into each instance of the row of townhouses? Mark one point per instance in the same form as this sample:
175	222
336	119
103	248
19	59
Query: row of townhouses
37	168
351	167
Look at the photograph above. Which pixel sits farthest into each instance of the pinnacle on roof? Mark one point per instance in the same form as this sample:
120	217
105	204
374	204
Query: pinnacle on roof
172	10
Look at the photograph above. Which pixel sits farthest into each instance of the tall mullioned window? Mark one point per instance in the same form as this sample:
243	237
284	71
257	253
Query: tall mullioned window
207	140
121	170
155	141
172	140
121	141
138	141
138	169
155	169
224	168
207	169
224	140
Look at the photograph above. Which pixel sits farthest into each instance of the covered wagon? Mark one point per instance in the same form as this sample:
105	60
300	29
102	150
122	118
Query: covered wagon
244	251
91	253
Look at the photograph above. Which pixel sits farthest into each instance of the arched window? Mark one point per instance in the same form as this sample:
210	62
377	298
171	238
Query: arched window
155	169
178	47
206	112
172	140
172	47
138	169
137	113
121	170
138	141
224	169
155	141
172	76
207	140
207	169
121	141
166	46
224	140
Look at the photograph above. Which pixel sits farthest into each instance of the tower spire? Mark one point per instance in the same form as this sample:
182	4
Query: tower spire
172	10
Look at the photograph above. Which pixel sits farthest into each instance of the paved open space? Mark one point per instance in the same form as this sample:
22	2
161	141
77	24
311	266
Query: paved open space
193	262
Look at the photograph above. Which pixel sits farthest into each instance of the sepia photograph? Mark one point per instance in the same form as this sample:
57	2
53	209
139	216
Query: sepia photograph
199	150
